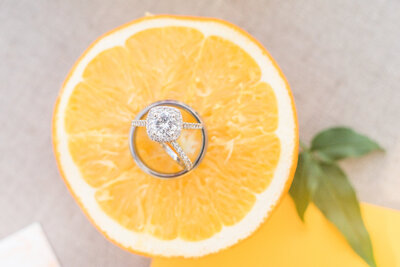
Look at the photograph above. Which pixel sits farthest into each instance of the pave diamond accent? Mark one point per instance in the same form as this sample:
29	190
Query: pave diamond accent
164	124
191	125
139	123
186	161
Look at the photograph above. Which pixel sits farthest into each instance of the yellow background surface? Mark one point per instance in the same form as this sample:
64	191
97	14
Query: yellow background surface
285	241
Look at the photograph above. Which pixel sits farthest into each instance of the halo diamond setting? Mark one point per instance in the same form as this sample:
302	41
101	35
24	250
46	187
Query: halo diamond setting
164	124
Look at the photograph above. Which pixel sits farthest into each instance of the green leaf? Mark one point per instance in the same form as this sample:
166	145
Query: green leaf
305	182
299	190
336	198
340	142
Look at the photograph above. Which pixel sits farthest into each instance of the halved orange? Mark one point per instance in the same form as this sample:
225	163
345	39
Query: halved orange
247	106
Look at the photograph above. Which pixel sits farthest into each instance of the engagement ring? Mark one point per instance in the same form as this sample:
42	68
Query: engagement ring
164	124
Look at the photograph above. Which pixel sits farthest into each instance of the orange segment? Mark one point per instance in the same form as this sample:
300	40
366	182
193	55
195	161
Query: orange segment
89	103
126	199
164	60
112	68
222	69
216	193
100	157
250	120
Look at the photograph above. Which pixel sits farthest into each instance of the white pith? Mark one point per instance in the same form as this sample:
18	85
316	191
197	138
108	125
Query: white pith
229	235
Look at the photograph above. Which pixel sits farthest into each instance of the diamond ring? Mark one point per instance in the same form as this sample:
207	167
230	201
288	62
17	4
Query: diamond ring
164	124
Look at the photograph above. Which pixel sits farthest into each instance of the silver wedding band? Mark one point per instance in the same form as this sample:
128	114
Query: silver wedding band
171	146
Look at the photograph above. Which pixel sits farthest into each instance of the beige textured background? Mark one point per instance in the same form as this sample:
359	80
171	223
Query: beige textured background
342	59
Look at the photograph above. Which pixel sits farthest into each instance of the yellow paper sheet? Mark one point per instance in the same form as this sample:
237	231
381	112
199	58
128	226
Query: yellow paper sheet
285	241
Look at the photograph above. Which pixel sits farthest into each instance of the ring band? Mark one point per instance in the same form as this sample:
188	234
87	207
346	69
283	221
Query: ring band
182	155
164	124
185	125
172	154
179	156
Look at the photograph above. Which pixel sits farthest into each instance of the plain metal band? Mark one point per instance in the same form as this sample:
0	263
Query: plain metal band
132	139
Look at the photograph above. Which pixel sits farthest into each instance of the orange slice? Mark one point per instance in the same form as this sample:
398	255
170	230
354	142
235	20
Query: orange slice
247	106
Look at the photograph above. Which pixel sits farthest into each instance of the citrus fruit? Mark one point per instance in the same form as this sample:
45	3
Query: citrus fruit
244	100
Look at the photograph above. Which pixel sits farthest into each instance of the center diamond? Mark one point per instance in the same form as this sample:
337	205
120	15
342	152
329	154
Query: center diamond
164	124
